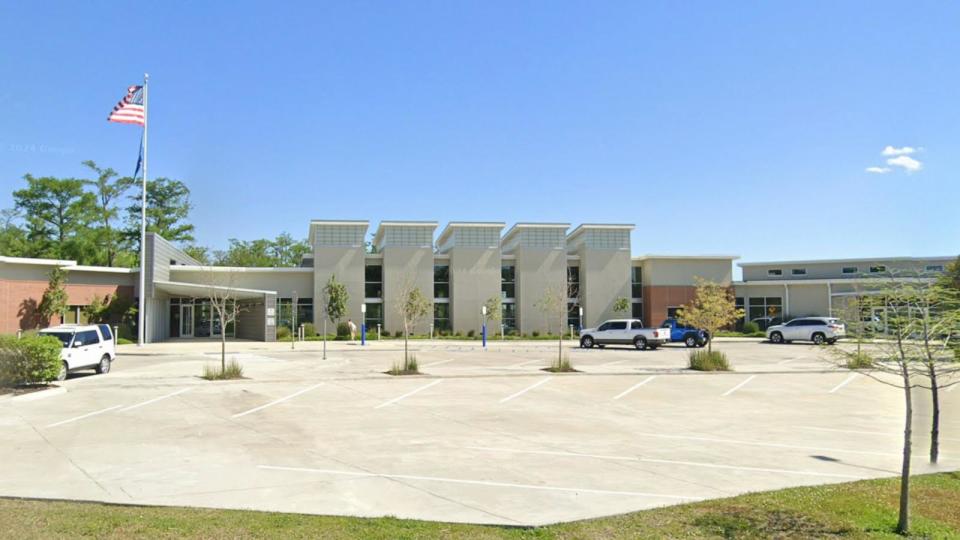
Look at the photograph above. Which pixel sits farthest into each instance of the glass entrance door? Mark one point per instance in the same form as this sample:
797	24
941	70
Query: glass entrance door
186	320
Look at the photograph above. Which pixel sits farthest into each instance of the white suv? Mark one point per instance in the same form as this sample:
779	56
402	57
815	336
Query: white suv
819	330
84	346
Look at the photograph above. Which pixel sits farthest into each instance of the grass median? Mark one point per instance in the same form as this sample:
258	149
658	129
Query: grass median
865	509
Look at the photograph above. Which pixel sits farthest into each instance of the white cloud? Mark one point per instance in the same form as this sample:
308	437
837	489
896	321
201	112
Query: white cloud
908	163
893	151
879	170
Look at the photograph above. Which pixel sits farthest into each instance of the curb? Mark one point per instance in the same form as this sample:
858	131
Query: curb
40	394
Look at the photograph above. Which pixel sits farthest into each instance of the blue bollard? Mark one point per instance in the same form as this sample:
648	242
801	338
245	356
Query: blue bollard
363	334
484	332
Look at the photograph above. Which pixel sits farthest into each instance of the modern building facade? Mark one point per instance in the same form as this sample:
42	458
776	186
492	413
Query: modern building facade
461	267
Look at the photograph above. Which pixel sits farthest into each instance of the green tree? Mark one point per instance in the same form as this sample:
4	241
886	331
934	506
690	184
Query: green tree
283	251
168	209
54	301
951	277
621	305
13	238
714	307
494	306
108	189
199	253
58	213
335	298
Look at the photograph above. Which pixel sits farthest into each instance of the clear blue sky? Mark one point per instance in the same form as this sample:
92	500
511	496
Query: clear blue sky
717	127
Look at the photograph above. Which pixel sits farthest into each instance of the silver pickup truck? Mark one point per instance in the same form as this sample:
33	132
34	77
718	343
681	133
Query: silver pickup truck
624	332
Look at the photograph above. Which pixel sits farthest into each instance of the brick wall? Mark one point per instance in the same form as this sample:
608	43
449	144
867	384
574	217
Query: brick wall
657	298
19	300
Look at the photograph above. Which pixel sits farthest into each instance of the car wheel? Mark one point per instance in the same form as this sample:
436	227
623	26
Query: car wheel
586	342
690	341
776	337
62	374
640	343
104	365
818	339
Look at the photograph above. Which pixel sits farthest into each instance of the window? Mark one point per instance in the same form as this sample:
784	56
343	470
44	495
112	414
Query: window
672	311
74	315
879	269
373	281
934	268
507	281
618	325
87	337
508	317
441	281
285	312
573	282
374	315
636	282
573	315
798	271
105	330
441	317
636	325
765	307
636	310
774	272
849	270
738	303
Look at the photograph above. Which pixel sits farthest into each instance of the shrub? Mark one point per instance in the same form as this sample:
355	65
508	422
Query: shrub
471	334
750	327
309	330
213	373
562	365
704	360
29	360
283	333
407	367
398	333
535	333
860	360
343	330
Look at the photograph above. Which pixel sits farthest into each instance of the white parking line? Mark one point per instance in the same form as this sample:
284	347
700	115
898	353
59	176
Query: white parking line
274	402
154	400
615	362
759	443
846	381
663	461
739	386
634	387
408	394
525	390
439	363
521	364
81	417
857	432
478	482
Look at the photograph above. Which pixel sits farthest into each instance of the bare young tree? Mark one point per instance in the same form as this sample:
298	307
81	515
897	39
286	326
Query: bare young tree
553	303
221	294
920	324
412	306
494	306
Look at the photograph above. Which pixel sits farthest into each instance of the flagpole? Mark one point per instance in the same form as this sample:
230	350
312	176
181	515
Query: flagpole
141	305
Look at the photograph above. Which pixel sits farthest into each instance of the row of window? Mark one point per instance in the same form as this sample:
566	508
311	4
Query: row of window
849	270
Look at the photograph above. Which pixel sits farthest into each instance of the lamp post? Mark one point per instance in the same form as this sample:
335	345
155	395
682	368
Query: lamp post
363	324
293	320
581	319
483	331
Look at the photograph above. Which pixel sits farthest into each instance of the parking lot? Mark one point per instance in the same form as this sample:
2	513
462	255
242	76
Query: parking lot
483	436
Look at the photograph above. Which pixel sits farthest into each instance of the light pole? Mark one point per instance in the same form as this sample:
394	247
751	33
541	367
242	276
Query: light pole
293	320
581	319
363	324
483	331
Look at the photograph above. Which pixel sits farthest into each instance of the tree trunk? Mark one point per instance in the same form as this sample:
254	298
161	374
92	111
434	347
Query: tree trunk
223	349
935	427
405	360
903	524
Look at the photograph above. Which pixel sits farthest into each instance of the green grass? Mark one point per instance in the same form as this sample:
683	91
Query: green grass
857	510
731	333
213	372
704	360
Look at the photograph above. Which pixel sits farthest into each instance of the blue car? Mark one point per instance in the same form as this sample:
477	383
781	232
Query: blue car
688	335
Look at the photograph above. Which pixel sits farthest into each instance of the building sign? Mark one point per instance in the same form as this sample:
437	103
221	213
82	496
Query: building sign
271	321
271	312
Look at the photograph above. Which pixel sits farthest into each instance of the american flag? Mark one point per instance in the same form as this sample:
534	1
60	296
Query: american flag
130	108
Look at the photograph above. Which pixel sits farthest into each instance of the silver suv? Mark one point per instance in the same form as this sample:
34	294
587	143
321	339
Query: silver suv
819	330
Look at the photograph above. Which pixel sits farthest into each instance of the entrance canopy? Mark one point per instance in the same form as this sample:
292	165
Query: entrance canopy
198	290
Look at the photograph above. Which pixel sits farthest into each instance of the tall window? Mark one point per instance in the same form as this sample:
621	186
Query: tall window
373	281
441	317
573	283
374	315
509	317
636	282
285	311
507	281
573	316
441	281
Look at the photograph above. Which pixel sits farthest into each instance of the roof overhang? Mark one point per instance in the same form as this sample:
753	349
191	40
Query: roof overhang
837	281
177	288
687	257
242	269
384	224
600	227
36	262
517	226
314	223
448	230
